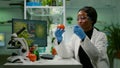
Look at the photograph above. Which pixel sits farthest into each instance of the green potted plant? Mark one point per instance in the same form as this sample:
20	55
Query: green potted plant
113	35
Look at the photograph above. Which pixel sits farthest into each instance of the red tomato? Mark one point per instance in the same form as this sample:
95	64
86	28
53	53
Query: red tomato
54	52
32	57
61	26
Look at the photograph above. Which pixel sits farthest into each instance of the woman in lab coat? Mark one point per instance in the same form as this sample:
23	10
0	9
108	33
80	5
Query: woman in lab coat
87	45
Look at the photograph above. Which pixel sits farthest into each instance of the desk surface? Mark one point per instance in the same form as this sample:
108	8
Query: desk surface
71	63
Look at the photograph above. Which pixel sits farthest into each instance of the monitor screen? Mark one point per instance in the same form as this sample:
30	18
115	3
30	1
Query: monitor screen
35	31
2	39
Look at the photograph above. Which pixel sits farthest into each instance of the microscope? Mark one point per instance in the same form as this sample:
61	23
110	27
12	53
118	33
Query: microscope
22	46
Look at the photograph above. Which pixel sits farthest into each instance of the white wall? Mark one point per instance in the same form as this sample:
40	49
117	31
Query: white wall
9	13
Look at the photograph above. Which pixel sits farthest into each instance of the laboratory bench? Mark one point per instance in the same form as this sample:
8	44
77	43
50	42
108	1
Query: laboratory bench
46	63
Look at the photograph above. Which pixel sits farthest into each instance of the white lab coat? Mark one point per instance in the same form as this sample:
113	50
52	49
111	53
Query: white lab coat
94	48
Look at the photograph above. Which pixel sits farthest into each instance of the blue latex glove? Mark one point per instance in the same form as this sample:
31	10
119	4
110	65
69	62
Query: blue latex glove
79	32
58	34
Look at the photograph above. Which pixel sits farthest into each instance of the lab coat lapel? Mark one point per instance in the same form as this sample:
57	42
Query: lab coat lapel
77	45
90	49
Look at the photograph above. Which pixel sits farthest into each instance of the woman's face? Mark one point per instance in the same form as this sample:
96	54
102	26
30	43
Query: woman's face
84	21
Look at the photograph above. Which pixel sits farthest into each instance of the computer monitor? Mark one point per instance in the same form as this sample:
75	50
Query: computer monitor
35	32
2	39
